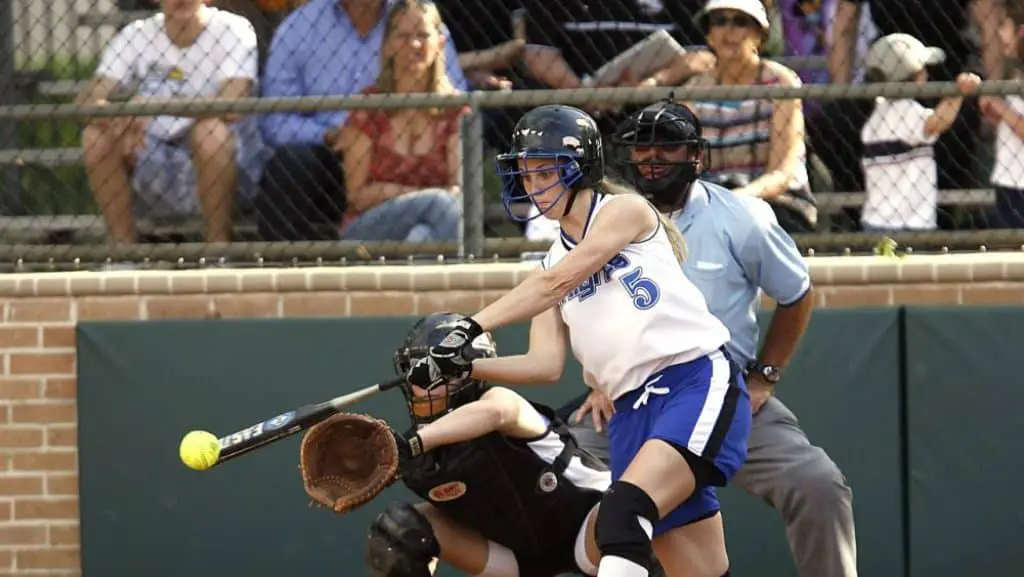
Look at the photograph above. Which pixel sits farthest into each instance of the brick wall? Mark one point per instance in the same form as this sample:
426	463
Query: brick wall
38	458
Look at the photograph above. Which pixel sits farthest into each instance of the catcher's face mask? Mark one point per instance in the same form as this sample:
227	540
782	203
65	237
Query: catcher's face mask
425	406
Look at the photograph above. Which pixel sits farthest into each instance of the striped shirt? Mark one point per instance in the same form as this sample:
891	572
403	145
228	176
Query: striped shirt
739	133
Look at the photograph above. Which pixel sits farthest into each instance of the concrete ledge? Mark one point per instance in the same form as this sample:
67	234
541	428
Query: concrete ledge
1002	267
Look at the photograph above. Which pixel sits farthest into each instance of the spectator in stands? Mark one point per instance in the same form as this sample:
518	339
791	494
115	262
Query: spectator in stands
833	130
899	159
757	146
570	40
942	24
403	167
323	48
807	27
175	166
1007	114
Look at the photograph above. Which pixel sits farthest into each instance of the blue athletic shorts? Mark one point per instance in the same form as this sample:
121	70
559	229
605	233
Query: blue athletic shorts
702	406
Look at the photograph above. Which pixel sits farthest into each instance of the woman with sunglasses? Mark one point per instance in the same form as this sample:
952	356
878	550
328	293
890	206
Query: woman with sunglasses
756	145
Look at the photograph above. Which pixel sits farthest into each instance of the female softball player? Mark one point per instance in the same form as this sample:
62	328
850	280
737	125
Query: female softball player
507	491
612	287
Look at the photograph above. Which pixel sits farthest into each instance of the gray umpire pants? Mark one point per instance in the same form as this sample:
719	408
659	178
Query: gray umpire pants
796	478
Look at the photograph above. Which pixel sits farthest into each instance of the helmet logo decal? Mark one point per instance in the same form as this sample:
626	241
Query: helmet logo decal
572	142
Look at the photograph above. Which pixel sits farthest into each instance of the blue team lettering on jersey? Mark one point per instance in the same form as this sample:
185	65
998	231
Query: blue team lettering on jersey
644	291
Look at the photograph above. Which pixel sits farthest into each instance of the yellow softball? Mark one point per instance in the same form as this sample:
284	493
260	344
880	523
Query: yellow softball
199	450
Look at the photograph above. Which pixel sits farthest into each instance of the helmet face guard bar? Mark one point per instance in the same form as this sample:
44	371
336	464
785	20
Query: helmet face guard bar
569	137
513	191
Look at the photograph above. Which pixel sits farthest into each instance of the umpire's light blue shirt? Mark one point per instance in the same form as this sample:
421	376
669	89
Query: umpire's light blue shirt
317	51
735	247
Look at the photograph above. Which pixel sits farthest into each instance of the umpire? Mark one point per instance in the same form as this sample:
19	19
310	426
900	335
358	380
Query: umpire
737	247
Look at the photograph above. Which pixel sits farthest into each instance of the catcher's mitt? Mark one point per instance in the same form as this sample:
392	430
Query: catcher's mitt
347	460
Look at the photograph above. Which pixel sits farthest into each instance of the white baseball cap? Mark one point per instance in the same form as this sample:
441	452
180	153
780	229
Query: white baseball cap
753	8
900	56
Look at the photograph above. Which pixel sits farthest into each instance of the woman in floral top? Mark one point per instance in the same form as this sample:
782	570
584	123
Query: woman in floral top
403	166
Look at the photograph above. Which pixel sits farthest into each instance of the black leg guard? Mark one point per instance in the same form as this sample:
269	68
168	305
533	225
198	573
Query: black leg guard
619	531
401	543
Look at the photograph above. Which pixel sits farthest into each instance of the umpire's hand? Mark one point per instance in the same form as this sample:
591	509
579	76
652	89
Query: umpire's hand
600	408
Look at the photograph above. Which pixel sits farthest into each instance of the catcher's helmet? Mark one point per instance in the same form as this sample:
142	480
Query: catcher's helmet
662	150
564	134
429	331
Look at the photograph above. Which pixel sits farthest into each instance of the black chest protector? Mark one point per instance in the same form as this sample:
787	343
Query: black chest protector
504	491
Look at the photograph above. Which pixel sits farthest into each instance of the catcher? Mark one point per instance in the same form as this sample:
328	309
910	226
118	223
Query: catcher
507	490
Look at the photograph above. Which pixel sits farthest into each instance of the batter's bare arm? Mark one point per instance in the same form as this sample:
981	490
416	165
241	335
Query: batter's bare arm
622	221
541	365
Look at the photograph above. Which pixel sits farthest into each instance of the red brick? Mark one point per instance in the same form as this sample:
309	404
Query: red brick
15	337
992	294
857	296
64	535
44	412
53	558
42	363
58	337
45	461
60	388
382	304
181	307
315	305
465	302
20	388
61	436
60	484
109	308
247	305
34	508
39	310
926	294
20	485
6	508
22	534
6	559
20	437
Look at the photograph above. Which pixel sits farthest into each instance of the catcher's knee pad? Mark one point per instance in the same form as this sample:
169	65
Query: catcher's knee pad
625	523
401	543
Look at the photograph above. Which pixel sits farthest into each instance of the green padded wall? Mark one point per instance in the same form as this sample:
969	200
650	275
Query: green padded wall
143	384
964	429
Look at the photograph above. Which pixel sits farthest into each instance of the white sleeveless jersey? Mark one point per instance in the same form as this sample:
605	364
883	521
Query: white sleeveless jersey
636	316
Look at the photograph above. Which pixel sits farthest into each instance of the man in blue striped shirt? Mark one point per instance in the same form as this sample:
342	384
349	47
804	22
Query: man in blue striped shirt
736	249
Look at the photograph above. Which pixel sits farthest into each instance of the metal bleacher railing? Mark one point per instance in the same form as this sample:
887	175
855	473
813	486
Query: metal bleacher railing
56	237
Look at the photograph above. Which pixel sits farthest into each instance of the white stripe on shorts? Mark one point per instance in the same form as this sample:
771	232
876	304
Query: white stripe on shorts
713	403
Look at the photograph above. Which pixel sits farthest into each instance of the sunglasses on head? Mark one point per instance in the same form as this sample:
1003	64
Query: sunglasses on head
738	20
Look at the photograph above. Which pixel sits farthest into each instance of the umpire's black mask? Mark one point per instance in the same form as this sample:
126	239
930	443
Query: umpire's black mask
661	151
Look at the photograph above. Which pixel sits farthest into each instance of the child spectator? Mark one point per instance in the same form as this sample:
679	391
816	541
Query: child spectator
899	158
1007	113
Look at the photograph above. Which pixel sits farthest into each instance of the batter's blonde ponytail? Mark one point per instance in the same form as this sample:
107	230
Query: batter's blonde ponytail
675	238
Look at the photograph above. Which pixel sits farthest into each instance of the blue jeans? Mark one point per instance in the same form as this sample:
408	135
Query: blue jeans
430	215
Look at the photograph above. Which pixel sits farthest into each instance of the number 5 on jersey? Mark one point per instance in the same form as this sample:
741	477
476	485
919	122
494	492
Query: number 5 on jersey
644	291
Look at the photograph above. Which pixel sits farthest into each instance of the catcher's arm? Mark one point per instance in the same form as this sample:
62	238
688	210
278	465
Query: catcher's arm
499	409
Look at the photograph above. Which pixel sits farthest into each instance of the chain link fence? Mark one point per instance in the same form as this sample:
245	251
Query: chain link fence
240	132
